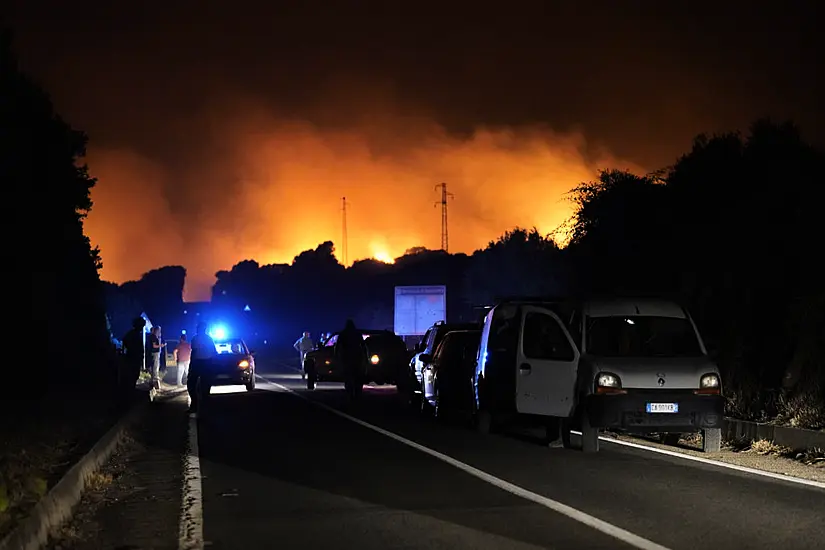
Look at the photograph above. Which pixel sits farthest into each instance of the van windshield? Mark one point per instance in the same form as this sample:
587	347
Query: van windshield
641	336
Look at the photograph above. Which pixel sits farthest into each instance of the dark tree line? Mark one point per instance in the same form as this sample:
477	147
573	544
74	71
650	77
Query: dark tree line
61	312
158	294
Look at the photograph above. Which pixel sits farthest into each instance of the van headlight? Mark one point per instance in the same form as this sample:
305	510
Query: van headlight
608	383
709	381
608	380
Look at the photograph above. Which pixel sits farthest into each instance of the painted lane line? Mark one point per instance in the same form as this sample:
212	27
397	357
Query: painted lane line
710	461
191	520
577	515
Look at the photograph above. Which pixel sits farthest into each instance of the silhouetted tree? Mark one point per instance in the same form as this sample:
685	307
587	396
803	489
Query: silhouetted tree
40	162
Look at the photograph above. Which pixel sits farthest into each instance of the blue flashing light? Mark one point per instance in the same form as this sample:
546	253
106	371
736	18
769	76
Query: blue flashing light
218	332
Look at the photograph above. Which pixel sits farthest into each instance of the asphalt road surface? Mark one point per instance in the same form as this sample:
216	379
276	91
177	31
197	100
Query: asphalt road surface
283	467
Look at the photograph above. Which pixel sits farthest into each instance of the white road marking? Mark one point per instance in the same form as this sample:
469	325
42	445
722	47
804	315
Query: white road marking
677	454
710	461
577	515
191	520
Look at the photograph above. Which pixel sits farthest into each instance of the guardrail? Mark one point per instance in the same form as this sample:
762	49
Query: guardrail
797	439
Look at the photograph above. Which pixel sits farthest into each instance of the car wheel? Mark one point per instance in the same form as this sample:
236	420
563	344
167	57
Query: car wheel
438	411
250	386
484	422
425	408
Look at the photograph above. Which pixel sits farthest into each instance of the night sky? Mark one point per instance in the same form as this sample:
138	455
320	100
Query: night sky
224	133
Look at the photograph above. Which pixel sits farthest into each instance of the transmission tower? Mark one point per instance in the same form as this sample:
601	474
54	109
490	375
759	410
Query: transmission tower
443	202
344	229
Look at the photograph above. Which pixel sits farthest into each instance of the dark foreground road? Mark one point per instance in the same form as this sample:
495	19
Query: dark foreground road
283	470
295	469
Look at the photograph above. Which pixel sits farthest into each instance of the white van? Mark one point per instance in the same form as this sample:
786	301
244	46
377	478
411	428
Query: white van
638	365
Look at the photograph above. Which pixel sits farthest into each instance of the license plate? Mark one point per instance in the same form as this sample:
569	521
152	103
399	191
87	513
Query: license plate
662	407
222	376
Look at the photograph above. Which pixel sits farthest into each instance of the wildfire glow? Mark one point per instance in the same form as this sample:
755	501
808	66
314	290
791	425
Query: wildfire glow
384	257
276	190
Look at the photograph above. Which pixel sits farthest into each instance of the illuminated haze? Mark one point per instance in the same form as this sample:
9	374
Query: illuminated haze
274	189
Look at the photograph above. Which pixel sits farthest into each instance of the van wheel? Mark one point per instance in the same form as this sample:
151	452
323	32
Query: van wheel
485	423
590	434
671	439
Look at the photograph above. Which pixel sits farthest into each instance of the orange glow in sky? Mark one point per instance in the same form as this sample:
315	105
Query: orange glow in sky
276	191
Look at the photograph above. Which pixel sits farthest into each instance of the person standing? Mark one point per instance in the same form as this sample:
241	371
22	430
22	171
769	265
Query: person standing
153	356
351	351
198	383
303	345
133	356
183	355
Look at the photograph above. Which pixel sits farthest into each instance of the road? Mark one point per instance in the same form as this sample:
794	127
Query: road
287	468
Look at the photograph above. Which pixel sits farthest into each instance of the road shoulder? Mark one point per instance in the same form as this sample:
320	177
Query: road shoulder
134	500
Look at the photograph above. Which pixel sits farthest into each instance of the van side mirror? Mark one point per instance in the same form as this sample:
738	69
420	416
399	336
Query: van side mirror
426	358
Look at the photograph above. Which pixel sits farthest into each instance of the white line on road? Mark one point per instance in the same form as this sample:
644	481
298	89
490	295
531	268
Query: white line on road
572	513
677	454
710	461
191	519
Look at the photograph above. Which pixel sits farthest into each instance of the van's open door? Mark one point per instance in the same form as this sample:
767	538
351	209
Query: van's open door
547	365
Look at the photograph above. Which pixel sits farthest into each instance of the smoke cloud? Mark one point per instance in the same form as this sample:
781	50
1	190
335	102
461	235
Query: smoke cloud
267	187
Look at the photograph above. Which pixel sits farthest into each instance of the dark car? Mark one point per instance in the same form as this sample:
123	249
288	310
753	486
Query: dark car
447	379
411	386
388	357
385	352
233	365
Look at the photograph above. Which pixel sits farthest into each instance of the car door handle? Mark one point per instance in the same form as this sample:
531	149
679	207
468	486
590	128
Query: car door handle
525	368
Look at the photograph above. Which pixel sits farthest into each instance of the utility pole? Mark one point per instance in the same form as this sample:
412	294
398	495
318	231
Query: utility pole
344	230
443	202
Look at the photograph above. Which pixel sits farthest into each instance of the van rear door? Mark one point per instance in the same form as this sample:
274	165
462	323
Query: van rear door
548	362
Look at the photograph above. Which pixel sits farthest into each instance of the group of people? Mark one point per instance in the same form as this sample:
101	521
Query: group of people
350	350
192	359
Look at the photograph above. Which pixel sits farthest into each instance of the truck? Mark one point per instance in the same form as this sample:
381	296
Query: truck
417	308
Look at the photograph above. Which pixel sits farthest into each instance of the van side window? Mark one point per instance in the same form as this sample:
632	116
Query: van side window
543	339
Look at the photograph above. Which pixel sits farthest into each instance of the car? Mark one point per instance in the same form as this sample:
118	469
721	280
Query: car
387	355
634	364
386	352
233	365
448	374
429	343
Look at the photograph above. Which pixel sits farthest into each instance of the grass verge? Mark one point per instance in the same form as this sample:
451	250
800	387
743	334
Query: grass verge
39	442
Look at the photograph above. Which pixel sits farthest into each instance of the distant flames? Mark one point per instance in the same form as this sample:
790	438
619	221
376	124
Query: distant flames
277	189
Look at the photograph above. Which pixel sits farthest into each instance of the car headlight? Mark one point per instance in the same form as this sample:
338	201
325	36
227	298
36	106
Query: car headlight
708	381
244	364
326	362
374	359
